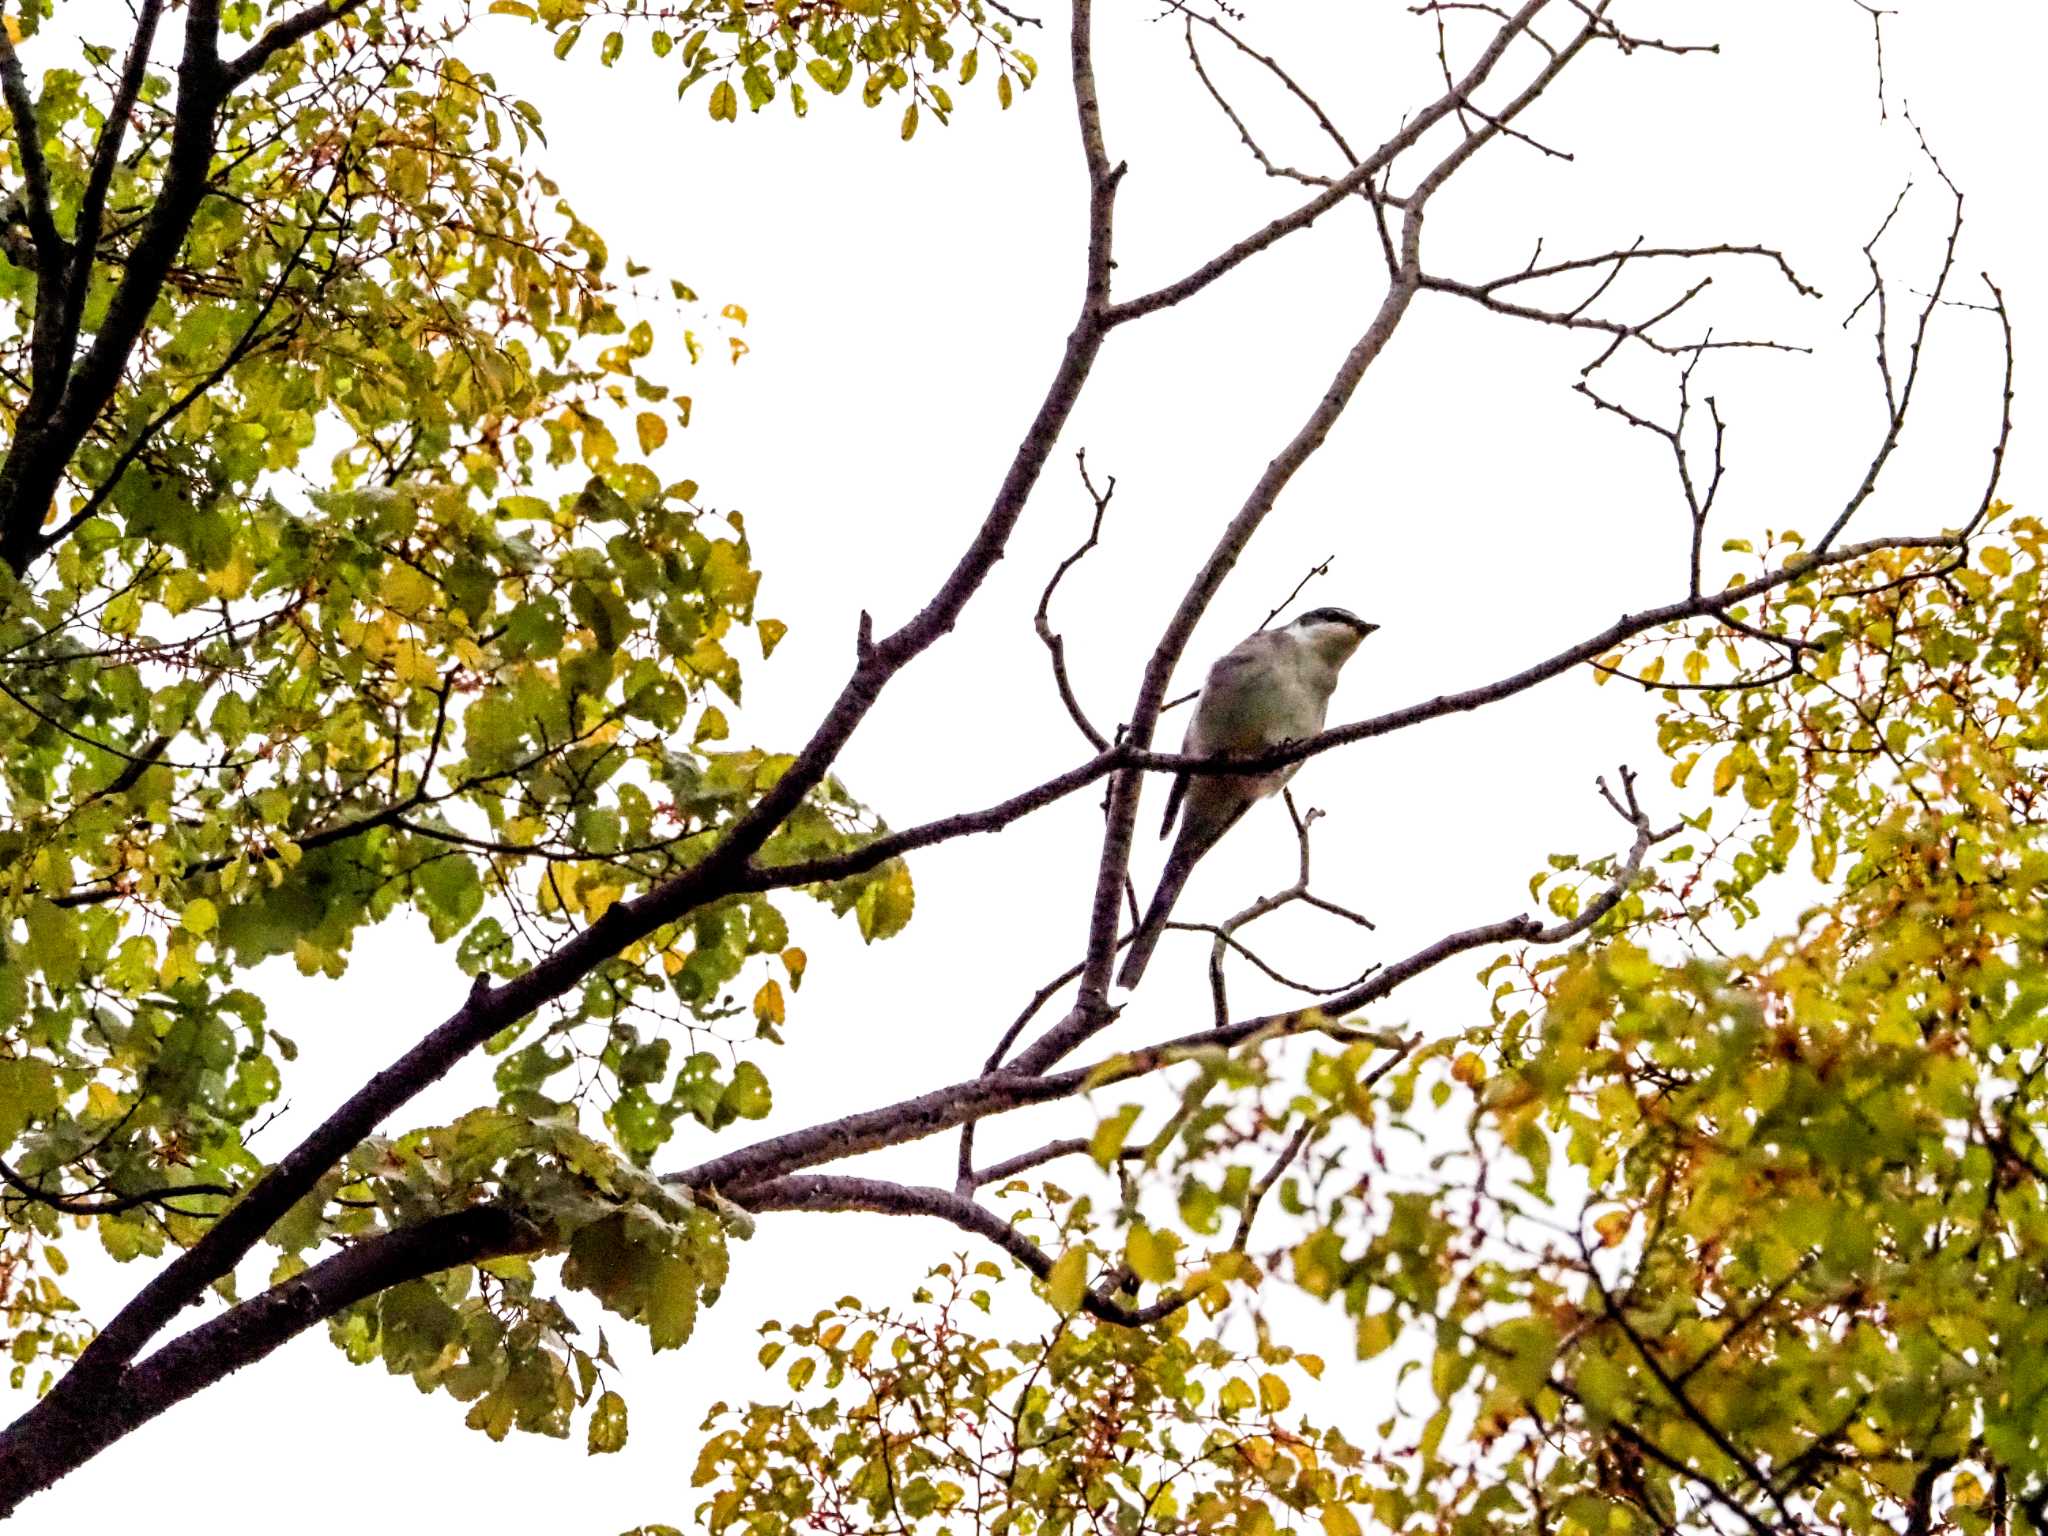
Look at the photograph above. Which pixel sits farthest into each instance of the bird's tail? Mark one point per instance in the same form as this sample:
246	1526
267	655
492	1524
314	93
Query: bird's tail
1179	865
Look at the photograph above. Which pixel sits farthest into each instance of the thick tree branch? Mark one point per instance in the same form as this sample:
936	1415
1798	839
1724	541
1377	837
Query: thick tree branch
281	35
53	423
61	1432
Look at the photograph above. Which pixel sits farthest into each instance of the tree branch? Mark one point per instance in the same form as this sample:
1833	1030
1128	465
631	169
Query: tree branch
85	235
28	140
827	1192
102	1205
1055	646
281	35
1358	179
1593	646
61	1432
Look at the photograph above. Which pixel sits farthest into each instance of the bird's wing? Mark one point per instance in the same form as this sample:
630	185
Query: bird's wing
1237	698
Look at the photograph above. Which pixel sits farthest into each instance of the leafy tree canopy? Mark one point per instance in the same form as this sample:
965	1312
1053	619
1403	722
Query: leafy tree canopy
362	593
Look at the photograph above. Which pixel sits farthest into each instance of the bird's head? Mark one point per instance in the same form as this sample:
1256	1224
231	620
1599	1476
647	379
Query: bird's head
1334	633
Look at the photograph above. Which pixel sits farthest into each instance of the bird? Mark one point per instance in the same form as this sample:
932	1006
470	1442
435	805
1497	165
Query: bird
1273	686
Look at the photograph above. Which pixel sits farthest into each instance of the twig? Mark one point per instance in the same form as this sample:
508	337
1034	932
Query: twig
1055	646
110	1205
1286	602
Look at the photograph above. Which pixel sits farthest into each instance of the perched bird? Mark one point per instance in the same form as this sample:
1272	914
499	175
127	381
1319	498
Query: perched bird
1272	687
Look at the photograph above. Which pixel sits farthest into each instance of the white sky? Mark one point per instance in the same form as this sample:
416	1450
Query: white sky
907	303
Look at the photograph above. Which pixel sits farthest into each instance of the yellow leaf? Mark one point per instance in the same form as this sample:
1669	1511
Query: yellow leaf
793	961
1724	774
406	590
200	915
233	579
1613	1227
652	429
1339	1521
1067	1280
1375	1334
1273	1393
1108	1140
1150	1255
768	1005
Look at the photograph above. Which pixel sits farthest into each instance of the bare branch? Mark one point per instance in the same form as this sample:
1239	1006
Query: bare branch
1244	133
1899	401
1055	646
1877	38
1272	67
826	1192
1640	252
1024	1162
1629	625
1619	332
1358	179
1225	934
1320	569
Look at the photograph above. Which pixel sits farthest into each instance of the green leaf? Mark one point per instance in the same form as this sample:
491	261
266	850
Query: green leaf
886	902
608	1425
